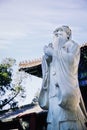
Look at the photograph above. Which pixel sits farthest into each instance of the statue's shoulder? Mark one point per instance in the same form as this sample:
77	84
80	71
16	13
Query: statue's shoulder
72	44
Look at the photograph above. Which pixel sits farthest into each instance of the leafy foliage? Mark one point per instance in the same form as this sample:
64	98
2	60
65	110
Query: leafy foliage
9	88
5	78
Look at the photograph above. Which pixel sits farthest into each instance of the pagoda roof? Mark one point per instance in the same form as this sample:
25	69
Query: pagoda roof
32	67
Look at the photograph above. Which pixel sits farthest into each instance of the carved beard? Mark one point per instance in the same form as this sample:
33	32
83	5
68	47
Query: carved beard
59	42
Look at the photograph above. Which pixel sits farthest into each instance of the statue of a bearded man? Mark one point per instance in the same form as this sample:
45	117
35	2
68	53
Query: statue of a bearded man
60	92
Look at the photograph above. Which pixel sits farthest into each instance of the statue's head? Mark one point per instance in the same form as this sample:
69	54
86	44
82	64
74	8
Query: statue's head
63	28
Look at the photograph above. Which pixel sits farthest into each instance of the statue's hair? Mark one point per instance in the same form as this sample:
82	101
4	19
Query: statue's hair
66	29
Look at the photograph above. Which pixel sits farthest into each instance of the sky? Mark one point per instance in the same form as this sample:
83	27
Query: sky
27	25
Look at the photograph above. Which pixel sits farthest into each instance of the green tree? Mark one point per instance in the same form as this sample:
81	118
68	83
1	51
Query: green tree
10	89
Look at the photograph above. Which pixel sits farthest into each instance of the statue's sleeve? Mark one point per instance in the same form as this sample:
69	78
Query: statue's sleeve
45	73
43	96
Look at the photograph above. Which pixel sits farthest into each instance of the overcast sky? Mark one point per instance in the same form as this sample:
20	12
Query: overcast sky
27	25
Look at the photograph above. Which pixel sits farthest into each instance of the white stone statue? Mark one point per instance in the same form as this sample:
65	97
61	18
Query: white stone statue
60	93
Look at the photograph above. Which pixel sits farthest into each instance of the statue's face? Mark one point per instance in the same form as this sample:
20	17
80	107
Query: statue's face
60	33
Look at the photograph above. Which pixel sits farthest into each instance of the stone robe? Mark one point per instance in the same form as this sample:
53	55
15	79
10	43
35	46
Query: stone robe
60	80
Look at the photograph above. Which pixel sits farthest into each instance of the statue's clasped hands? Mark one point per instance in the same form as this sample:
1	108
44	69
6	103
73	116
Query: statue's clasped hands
48	50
